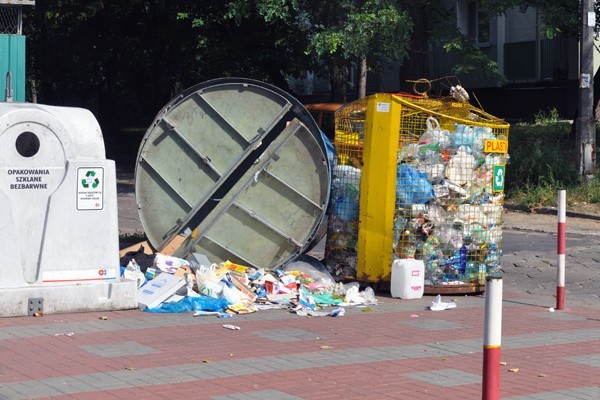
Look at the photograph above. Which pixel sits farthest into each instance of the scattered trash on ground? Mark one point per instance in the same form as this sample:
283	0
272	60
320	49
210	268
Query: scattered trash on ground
439	305
172	285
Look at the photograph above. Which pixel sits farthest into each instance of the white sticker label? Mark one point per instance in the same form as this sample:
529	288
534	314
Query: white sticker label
383	107
591	19
585	81
79	275
90	188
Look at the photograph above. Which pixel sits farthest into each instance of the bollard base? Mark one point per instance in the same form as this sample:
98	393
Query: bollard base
560	297
491	373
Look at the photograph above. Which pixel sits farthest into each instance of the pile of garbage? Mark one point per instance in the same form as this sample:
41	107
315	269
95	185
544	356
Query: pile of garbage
168	284
448	208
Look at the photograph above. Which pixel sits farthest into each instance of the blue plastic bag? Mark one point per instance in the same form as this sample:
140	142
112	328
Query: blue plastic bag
202	303
412	186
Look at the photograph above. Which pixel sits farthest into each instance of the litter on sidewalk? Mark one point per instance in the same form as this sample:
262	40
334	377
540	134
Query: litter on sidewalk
304	287
439	305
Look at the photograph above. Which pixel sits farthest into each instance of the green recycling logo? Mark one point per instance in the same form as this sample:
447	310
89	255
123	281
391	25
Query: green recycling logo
498	175
90	180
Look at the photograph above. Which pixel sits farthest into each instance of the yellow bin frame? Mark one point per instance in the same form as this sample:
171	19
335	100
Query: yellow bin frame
378	180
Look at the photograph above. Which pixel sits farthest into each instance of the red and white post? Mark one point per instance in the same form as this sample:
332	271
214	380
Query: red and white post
561	249
492	339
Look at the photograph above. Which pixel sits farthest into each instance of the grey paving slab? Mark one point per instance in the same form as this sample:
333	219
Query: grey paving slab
434	324
236	368
262	394
560	316
287	335
593	360
586	393
445	377
119	349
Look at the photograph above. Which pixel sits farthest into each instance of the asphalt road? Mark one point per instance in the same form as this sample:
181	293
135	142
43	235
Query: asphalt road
529	247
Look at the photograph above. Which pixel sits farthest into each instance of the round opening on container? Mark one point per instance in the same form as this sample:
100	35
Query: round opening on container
27	144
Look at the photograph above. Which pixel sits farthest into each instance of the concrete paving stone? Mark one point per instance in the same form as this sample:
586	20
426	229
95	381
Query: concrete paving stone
10	394
23	332
593	360
90	327
546	338
335	358
29	390
459	346
119	349
262	394
559	316
69	386
445	377
435	325
286	335
588	393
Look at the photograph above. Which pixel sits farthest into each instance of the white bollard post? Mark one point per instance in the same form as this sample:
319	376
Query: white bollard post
492	339
561	249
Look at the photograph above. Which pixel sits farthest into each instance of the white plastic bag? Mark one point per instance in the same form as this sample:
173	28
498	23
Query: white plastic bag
133	273
232	295
207	281
460	167
169	264
434	134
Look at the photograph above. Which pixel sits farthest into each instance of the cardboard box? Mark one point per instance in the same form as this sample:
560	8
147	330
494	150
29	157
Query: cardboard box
156	291
169	249
182	270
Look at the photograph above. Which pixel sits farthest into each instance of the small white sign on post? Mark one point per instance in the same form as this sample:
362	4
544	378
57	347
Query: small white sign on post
585	81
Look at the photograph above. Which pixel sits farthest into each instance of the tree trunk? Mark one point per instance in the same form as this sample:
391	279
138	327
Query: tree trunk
362	82
339	79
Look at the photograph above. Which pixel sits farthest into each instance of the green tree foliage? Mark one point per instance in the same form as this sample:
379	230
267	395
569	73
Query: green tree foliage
333	34
125	60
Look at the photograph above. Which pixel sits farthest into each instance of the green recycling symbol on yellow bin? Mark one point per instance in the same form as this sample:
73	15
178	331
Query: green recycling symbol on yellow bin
498	184
90	180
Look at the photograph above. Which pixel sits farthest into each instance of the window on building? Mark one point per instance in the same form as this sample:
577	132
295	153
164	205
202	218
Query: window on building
478	22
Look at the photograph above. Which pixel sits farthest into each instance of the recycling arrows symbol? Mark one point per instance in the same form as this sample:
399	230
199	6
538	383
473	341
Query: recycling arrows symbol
90	180
499	177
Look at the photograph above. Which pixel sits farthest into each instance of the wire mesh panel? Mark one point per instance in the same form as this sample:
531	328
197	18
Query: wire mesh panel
449	189
449	193
10	19
342	231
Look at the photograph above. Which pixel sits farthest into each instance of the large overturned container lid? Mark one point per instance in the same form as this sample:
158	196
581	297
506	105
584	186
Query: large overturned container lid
240	163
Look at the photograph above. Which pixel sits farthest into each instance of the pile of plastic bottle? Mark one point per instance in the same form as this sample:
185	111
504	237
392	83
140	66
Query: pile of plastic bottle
342	232
447	213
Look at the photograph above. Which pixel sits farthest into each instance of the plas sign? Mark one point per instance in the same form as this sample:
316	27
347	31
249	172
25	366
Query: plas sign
496	146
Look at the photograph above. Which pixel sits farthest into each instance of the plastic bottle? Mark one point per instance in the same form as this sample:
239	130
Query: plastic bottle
462	260
407	245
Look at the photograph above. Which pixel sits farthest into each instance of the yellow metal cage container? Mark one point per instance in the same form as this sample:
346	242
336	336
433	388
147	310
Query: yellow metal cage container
421	178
